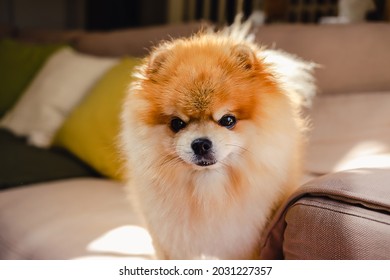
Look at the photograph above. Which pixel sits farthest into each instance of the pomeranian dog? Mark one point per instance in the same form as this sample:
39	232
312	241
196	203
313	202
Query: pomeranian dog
212	136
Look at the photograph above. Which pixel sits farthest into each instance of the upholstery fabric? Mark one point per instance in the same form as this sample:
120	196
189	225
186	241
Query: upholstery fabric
342	215
322	228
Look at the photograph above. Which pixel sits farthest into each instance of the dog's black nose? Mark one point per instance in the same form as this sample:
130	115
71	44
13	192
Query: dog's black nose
201	146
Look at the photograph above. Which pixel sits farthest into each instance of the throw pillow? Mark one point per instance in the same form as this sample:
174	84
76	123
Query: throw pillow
91	131
19	62
58	87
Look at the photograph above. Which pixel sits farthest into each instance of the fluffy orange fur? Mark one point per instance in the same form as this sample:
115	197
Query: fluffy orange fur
217	211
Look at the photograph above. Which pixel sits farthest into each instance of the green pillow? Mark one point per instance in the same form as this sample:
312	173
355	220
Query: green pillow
19	62
91	131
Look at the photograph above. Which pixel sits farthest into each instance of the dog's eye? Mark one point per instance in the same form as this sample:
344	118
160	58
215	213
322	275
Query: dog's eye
177	124
228	121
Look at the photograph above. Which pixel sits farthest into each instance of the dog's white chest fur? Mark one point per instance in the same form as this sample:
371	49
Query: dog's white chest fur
207	223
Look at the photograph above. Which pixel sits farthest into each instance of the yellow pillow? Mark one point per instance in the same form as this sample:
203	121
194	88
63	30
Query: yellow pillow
91	130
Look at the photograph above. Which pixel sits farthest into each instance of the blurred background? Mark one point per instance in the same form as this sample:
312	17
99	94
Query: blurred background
114	14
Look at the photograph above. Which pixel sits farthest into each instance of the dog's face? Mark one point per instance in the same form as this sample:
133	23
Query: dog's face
204	99
205	141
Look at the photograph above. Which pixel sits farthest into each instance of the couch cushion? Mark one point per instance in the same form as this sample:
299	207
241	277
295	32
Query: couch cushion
354	57
77	218
343	215
21	164
349	131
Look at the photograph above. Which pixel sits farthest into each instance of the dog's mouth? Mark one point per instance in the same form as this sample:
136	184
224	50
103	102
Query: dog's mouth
205	162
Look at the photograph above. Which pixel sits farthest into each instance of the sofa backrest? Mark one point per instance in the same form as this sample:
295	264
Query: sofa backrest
353	57
6	31
135	42
130	41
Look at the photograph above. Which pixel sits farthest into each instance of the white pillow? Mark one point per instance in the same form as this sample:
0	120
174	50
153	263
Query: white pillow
58	87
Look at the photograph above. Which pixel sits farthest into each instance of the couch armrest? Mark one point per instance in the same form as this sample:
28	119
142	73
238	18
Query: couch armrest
344	215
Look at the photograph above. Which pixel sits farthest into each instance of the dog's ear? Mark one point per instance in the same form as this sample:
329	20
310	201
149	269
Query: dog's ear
156	61
245	56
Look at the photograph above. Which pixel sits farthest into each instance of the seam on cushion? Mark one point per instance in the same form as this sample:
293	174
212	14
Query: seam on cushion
323	206
350	195
343	203
317	186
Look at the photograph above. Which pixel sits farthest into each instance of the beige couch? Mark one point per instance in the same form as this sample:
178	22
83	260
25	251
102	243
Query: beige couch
342	210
